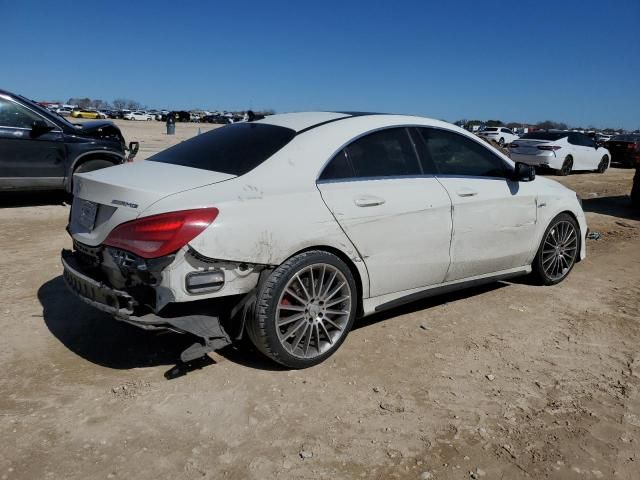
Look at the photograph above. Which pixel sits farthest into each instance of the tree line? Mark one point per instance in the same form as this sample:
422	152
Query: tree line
123	103
98	104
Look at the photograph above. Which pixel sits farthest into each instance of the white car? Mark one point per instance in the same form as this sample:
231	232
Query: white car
137	116
501	135
561	151
290	227
64	111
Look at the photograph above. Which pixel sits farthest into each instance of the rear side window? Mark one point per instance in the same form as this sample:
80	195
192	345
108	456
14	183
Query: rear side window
455	154
338	168
234	149
385	153
576	139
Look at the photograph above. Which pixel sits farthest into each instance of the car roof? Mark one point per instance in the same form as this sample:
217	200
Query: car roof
302	121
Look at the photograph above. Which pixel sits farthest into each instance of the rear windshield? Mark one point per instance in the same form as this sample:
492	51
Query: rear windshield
234	149
625	138
544	135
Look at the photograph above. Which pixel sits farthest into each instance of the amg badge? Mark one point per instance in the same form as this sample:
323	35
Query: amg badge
124	204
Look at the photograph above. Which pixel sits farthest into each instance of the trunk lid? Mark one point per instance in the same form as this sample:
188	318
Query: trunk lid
528	146
108	197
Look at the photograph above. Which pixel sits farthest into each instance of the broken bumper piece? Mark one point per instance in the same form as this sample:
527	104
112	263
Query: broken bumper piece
122	306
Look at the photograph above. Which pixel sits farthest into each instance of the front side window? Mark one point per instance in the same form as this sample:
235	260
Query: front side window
385	153
455	154
16	116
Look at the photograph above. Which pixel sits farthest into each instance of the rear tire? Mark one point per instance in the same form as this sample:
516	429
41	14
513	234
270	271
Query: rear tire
567	165
304	310
603	165
558	251
501	142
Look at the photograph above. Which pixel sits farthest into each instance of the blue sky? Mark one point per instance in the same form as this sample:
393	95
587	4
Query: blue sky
571	61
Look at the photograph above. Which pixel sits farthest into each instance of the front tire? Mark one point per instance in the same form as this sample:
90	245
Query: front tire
304	310
558	250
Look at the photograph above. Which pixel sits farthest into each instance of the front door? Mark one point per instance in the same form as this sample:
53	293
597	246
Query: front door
494	217
28	160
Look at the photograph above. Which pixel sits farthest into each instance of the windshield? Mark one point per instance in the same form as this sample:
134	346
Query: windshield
234	149
544	135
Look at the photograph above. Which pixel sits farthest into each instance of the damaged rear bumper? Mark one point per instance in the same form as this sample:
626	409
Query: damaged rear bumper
122	306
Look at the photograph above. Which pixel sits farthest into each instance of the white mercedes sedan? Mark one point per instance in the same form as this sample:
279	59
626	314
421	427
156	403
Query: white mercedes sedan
288	228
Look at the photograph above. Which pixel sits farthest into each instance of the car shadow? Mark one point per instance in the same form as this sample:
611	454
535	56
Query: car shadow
618	206
426	304
100	339
32	199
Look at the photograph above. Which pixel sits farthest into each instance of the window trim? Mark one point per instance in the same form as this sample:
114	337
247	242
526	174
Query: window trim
405	127
508	167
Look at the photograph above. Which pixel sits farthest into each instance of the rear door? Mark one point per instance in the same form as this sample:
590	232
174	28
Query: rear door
28	161
494	217
396	214
582	153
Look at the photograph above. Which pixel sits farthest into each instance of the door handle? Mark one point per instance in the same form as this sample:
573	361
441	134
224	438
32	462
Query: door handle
466	192
368	201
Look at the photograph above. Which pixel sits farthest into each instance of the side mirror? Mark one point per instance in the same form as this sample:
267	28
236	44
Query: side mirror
40	127
524	172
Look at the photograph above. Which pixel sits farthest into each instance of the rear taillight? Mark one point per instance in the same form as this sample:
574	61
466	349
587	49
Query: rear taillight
159	235
549	147
632	146
514	145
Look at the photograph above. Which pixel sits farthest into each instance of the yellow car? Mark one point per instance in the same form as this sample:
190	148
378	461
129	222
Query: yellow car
80	113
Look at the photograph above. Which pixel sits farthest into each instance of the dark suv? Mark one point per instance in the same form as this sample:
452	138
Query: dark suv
40	150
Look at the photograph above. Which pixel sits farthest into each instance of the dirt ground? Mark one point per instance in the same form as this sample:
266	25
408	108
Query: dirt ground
506	381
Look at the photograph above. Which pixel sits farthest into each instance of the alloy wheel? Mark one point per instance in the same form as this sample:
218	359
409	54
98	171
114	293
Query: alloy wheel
559	250
313	310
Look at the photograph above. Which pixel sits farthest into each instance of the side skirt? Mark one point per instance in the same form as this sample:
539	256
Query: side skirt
385	302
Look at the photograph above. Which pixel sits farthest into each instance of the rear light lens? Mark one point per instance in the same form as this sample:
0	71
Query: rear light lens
159	235
514	145
549	147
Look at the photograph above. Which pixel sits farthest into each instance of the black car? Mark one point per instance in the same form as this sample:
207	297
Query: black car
40	150
215	119
624	149
178	116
